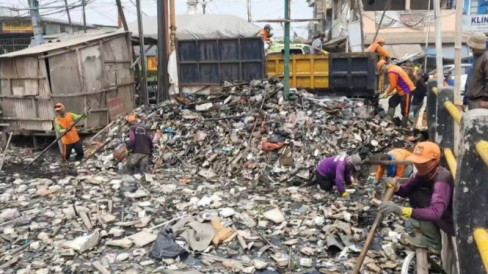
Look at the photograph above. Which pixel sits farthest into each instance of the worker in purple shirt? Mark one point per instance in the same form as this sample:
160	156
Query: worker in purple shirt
338	170
430	194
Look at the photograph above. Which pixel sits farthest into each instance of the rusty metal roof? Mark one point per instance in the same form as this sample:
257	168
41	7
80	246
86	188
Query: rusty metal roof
63	43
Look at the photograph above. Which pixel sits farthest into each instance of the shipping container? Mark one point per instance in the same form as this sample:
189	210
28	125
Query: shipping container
215	61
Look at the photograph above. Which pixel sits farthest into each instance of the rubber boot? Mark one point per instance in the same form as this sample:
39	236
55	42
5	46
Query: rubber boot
390	113
427	236
404	122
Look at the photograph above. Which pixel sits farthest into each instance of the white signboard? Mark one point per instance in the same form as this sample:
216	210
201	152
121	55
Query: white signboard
475	23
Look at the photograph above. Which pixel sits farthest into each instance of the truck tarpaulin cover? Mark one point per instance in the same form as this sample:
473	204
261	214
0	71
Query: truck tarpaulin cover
210	26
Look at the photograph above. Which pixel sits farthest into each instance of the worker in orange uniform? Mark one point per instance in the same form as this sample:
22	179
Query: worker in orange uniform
71	140
266	33
394	171
400	82
377	47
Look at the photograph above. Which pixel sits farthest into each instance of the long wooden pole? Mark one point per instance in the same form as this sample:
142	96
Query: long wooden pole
163	82
370	238
458	52
84	15
172	24
438	44
428	33
6	148
143	80
69	17
121	14
249	17
286	79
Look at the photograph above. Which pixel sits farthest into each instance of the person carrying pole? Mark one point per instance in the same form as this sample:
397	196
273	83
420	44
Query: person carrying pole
337	169
394	171
401	82
71	140
430	193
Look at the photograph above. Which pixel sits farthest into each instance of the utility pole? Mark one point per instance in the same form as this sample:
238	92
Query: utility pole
438	44
249	16
122	15
173	24
286	80
458	52
163	81
36	23
69	17
84	15
204	5
142	54
427	36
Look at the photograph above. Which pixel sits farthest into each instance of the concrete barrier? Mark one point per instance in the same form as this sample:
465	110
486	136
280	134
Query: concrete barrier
471	191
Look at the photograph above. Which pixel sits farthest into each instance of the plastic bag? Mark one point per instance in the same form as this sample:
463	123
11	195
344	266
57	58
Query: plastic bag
166	247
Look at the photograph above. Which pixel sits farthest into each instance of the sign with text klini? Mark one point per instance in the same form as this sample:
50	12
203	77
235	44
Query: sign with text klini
475	23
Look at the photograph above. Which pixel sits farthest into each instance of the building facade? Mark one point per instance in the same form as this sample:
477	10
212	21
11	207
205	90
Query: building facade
16	31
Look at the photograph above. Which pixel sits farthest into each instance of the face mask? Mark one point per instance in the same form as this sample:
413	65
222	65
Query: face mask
427	168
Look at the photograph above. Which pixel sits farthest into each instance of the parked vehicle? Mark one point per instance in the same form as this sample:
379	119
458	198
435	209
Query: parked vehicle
343	74
294	49
448	71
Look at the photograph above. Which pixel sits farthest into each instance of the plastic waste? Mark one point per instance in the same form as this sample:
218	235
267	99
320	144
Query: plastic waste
165	246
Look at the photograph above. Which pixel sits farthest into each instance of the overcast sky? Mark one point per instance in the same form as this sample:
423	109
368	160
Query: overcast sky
105	11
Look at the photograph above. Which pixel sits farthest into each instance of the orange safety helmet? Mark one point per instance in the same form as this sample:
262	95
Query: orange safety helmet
132	119
380	41
58	107
380	65
426	157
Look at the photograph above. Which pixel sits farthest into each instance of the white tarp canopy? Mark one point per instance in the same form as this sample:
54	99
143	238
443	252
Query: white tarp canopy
209	26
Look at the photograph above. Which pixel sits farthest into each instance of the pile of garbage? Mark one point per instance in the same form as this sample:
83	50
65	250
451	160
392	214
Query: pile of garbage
224	193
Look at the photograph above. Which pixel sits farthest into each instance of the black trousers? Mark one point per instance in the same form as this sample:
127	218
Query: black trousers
324	183
78	147
404	102
420	198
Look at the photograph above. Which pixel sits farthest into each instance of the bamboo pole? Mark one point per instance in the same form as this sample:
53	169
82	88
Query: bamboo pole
370	238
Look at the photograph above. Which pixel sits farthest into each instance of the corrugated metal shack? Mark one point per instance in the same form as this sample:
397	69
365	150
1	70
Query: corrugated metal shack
86	71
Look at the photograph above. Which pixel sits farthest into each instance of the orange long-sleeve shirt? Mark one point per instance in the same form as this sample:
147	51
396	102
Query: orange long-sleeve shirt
375	47
400	81
399	154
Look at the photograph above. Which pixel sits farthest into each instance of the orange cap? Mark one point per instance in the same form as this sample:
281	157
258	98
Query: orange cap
381	63
131	119
59	107
425	152
380	41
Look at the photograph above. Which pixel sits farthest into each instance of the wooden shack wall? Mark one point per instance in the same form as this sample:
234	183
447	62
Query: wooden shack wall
25	94
94	75
97	77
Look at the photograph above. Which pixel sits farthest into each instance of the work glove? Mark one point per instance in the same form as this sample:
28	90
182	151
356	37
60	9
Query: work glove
346	196
386	208
385	95
390	182
222	232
